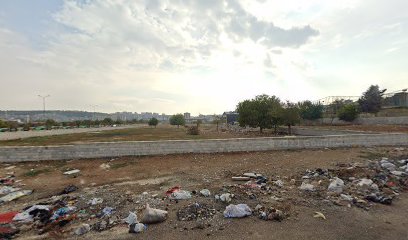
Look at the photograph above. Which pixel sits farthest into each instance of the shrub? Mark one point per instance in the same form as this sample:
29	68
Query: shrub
193	130
348	113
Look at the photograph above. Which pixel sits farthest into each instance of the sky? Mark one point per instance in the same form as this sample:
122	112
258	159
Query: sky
174	56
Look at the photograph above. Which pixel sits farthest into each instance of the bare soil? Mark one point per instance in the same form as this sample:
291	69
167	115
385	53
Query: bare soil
122	187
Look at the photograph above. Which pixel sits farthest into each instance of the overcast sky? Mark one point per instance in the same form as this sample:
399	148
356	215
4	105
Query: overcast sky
200	56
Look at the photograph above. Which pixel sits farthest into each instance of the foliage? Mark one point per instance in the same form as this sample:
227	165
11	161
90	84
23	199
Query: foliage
50	123
290	116
178	120
3	124
371	100
153	122
263	111
107	121
193	130
310	111
348	113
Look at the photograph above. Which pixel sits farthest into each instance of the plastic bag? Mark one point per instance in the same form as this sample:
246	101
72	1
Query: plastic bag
237	211
131	219
137	228
152	215
336	185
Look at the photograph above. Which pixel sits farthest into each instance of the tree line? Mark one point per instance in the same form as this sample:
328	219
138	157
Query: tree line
267	112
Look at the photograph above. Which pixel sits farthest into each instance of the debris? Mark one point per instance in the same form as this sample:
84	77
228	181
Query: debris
240	178
251	175
307	187
319	215
7	232
398	173
8	189
7	217
195	211
10	167
107	211
379	199
105	166
336	185
29	214
226	197
205	192
175	193
69	189
152	215
61	212
346	197
71	172
237	211
278	183
137	228
131	219
95	201
83	229
14	195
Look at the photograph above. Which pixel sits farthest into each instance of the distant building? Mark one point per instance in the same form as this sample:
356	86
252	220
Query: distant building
231	117
397	100
187	115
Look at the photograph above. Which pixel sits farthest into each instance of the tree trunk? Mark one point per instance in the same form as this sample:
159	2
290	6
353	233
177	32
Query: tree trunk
260	129
289	130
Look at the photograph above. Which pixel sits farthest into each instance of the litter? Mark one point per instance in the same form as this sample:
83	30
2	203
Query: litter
69	189
237	211
8	189
7	217
152	215
28	214
205	192
131	219
379	199
105	166
14	195
137	228
319	215
279	183
75	171
83	229
95	201
180	195
107	211
61	212
307	187
240	178
226	197
336	185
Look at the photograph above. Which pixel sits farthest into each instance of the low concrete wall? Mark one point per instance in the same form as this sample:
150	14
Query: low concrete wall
114	149
367	121
310	131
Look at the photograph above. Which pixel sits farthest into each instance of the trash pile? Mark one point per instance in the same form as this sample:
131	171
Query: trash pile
79	211
359	185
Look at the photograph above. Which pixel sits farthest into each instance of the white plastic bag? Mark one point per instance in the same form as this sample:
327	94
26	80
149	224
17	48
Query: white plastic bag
152	215
237	211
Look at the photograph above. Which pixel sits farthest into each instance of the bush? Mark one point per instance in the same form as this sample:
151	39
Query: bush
348	113
153	122
193	130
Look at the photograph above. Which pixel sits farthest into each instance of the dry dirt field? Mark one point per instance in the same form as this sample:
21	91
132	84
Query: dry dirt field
131	182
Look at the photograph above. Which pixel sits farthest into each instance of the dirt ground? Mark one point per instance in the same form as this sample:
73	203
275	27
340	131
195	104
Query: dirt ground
122	186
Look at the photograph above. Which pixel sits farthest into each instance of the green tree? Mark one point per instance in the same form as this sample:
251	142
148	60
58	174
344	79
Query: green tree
50	123
310	111
263	111
290	116
3	124
371	100
178	120
107	121
348	113
153	122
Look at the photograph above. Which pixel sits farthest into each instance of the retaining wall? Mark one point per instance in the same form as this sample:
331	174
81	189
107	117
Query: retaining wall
115	149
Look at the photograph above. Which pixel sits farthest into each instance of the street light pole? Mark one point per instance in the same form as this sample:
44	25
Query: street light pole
43	98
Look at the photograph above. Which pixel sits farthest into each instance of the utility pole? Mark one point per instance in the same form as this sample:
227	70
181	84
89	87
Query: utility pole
43	98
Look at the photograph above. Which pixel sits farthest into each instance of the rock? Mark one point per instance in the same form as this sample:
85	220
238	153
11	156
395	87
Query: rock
336	185
307	187
83	229
258	207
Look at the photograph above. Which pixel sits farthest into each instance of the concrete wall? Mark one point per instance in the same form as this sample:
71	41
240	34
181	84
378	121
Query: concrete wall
114	149
310	131
368	121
